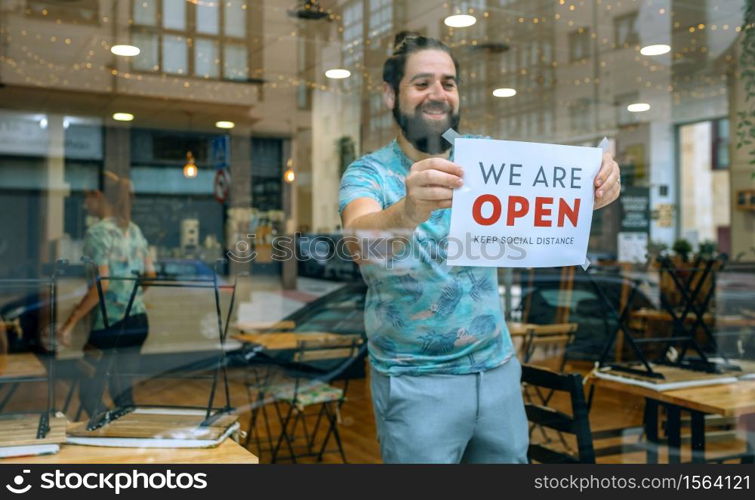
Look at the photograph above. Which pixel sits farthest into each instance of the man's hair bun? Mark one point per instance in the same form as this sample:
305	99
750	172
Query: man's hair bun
401	38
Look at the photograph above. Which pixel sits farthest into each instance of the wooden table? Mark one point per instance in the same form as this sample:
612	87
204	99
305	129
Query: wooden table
20	367
228	452
257	326
279	341
730	320
17	368
729	400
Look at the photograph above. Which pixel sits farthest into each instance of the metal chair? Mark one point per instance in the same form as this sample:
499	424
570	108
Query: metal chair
315	366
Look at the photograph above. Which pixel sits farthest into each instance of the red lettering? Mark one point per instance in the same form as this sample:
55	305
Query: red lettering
541	211
477	210
565	211
512	212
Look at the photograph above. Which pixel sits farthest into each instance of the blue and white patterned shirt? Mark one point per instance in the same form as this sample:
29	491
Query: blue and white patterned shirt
123	252
421	315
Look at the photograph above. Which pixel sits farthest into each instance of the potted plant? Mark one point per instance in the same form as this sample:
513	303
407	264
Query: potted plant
682	248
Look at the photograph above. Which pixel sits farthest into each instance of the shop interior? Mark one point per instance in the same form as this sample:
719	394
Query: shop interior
228	125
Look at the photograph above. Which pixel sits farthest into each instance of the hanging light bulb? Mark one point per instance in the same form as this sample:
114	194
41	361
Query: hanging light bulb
190	167
289	175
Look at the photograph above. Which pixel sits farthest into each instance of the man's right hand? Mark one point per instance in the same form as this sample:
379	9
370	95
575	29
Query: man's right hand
429	186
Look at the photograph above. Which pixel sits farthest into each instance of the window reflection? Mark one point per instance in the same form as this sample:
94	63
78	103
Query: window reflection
679	124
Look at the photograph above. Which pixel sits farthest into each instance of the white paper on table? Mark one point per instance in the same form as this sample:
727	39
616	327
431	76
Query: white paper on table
496	243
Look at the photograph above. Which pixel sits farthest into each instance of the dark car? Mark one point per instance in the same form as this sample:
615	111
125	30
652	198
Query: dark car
340	311
542	298
324	256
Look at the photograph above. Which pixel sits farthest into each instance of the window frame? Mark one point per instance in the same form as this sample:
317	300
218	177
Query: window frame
253	24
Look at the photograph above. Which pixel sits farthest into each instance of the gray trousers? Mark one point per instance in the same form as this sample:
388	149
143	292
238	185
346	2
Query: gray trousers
474	418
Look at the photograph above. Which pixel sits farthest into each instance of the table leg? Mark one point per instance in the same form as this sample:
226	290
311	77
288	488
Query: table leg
674	433
698	437
9	394
651	430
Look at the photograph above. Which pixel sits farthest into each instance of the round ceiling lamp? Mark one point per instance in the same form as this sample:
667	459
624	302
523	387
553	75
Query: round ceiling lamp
225	124
504	92
125	50
337	73
638	107
460	21
655	50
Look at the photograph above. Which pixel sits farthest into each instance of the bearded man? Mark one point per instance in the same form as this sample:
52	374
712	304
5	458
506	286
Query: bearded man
445	380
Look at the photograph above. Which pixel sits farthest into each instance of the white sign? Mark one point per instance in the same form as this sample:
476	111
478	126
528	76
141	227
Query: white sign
522	204
633	247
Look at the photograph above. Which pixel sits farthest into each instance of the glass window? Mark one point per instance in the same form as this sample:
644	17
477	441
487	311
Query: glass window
174	14
148	58
208	17
240	84
235	18
721	144
174	54
625	32
205	52
579	114
145	12
381	17
579	44
235	65
206	58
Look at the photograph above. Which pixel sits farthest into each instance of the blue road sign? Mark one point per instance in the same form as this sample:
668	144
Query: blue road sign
219	151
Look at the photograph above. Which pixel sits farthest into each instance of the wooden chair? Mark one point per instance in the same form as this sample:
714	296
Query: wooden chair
545	416
549	337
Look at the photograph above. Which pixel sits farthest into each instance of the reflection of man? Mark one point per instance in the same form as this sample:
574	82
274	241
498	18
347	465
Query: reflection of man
445	381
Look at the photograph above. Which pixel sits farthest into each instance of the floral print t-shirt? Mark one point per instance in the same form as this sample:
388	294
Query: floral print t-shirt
123	252
421	315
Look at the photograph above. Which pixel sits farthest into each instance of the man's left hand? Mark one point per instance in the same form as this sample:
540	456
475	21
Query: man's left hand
607	182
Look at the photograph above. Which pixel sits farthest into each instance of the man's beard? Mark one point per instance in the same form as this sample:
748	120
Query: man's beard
423	134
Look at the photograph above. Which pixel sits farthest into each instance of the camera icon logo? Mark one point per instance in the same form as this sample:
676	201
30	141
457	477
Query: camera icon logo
243	252
18	481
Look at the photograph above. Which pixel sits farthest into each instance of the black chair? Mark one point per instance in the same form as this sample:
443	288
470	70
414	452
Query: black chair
315	366
577	424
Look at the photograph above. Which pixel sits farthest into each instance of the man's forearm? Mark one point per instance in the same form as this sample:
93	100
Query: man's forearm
391	218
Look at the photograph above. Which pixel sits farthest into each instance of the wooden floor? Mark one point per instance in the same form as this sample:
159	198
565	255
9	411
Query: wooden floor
610	411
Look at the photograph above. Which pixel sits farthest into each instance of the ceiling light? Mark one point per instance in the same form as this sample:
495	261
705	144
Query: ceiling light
655	50
125	50
190	167
337	73
504	92
460	21
224	124
43	123
289	175
123	117
638	107
66	123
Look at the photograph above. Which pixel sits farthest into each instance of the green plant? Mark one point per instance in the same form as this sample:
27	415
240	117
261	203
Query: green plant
657	248
708	249
746	118
682	248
